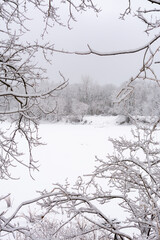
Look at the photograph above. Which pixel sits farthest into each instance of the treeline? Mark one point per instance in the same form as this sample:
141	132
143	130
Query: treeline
144	100
85	98
89	98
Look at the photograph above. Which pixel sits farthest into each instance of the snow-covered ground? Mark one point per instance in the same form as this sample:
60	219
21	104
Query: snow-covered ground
70	151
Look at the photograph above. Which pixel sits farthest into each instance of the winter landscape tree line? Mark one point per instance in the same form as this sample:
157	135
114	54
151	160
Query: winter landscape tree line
131	173
90	98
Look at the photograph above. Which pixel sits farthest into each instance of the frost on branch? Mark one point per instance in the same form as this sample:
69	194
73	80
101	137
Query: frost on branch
22	98
128	179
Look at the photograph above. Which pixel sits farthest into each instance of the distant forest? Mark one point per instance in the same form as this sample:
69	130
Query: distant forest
89	98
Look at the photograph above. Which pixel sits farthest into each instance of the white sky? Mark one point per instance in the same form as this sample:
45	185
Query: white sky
103	33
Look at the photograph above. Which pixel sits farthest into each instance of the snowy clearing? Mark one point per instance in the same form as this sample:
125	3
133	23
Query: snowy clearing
69	152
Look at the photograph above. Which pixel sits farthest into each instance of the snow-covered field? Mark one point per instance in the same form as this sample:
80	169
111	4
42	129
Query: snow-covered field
70	151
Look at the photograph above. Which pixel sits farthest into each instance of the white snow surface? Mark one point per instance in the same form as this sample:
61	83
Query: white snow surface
69	152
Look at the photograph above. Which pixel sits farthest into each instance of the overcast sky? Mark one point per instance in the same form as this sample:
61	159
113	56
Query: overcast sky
103	33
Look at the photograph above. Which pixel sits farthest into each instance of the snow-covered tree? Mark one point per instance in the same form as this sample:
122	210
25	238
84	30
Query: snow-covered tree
127	180
131	174
21	73
143	101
